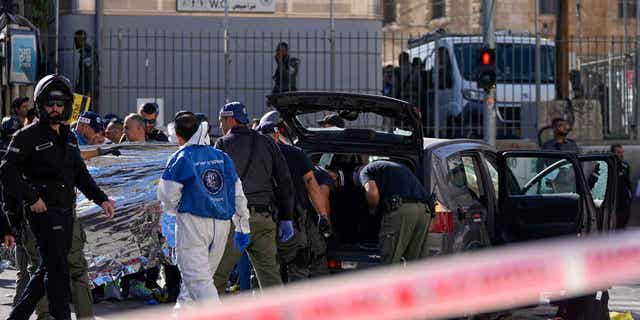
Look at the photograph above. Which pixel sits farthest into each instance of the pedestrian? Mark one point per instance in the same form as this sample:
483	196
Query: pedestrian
402	78
115	130
19	109
395	191
87	80
310	208
42	169
560	142
624	190
200	185
284	79
134	129
387	81
149	112
267	183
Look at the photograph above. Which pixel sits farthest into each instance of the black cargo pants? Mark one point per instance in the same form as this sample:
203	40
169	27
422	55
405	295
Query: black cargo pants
53	231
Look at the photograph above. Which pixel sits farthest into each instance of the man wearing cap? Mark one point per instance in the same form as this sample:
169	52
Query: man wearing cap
284	79
295	255
149	112
90	131
259	163
332	121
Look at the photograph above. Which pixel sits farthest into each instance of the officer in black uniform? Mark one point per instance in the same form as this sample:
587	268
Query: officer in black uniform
266	182
393	189
42	169
295	255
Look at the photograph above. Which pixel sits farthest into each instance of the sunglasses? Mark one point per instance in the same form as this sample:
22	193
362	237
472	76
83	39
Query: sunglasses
150	121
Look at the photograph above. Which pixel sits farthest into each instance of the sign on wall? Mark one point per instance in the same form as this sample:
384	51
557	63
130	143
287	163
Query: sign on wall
24	57
234	5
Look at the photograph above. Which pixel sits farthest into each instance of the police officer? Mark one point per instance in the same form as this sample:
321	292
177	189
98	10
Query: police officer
624	191
42	169
259	163
393	189
295	255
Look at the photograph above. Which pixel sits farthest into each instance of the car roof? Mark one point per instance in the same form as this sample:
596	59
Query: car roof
455	145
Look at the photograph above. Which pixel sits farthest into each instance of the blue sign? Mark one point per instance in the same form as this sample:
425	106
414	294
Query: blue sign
24	58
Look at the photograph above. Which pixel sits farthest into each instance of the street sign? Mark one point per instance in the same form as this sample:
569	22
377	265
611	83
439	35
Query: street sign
23	57
263	6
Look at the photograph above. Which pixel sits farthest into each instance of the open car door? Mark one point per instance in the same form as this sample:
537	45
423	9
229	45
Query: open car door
543	194
601	173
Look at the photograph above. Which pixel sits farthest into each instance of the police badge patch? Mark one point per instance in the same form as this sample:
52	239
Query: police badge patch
213	181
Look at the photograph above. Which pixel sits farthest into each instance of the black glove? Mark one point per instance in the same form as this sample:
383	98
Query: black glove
324	226
113	150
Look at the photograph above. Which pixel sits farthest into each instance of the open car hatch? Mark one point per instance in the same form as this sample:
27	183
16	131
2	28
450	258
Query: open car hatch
369	120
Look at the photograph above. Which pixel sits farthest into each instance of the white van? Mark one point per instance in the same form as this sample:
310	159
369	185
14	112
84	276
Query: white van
459	100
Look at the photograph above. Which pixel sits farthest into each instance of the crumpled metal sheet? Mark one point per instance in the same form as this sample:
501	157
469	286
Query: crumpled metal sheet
130	241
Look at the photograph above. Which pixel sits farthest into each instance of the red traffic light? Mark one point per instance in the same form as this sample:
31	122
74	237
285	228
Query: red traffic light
486	58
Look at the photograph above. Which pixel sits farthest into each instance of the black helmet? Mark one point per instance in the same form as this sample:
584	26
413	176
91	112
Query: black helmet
9	126
54	88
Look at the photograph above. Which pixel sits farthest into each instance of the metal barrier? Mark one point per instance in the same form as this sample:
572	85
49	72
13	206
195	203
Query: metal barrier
189	71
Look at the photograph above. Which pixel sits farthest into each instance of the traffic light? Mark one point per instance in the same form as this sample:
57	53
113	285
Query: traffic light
486	75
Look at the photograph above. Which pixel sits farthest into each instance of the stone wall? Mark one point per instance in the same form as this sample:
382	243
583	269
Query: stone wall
587	114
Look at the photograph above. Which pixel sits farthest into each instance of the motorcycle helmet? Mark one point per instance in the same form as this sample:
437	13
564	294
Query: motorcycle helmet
53	89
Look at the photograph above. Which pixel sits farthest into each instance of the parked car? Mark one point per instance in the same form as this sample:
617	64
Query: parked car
481	197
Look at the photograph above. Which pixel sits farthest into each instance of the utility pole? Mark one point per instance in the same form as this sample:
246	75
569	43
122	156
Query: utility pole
636	78
562	52
538	53
332	43
56	45
227	54
489	40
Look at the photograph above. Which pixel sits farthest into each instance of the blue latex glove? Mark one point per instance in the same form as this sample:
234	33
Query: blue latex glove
286	230
241	241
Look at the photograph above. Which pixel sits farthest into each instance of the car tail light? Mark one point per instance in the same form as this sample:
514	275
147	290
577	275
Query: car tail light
334	264
443	220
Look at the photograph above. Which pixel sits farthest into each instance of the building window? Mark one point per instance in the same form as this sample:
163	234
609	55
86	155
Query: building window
389	14
439	9
630	6
548	6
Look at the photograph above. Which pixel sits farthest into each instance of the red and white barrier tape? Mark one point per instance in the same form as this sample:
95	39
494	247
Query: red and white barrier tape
488	280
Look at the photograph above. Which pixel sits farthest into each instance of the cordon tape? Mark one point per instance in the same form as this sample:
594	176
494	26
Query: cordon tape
472	283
